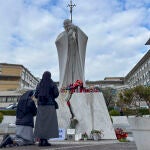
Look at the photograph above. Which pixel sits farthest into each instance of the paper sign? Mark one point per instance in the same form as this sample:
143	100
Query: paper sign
70	131
62	135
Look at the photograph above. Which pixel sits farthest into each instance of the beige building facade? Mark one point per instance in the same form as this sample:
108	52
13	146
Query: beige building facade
15	77
107	82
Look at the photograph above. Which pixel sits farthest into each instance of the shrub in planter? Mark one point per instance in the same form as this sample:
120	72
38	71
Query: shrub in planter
84	136
96	134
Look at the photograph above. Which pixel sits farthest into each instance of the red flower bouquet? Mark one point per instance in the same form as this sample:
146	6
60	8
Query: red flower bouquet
120	134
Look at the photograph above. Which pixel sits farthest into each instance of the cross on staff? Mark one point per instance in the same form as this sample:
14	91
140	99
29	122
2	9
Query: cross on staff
71	6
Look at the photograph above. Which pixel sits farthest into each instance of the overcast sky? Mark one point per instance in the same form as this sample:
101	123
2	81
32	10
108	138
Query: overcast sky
117	31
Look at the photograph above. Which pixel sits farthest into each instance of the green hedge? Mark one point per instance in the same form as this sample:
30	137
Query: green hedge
144	111
141	111
1	117
114	113
130	112
8	112
110	108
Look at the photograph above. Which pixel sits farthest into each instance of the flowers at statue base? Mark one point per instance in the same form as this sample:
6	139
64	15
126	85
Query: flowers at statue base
68	103
77	86
120	134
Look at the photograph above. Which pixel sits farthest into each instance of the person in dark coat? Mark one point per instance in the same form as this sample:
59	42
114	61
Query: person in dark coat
26	110
121	112
46	125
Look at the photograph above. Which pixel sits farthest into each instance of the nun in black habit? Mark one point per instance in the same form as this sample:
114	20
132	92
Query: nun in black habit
46	125
26	110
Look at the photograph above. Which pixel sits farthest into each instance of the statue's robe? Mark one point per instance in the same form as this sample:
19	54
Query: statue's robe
71	56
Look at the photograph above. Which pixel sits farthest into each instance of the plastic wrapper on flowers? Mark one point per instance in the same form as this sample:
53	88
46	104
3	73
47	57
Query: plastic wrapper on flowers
120	134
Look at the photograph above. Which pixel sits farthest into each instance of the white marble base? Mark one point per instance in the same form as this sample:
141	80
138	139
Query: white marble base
91	112
9	119
140	127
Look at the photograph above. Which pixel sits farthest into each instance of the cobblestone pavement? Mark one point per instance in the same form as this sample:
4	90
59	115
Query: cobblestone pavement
81	145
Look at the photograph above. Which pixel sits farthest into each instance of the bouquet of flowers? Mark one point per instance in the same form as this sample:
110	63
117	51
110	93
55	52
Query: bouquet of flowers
120	134
77	86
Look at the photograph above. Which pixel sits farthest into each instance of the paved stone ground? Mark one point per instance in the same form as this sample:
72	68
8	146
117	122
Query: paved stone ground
81	145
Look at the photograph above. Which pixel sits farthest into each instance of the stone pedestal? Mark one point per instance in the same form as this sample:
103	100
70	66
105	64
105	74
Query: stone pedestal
91	112
140	126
